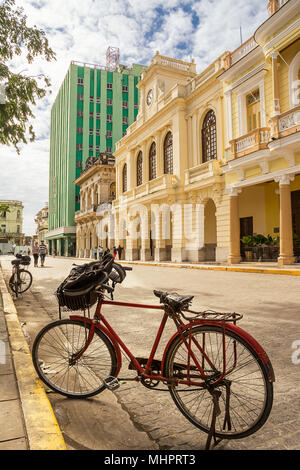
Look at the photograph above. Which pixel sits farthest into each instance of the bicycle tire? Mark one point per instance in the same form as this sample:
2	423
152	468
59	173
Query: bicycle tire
249	410
16	287
52	350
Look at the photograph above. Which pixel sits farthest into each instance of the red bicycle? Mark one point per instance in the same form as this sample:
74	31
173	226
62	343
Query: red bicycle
218	375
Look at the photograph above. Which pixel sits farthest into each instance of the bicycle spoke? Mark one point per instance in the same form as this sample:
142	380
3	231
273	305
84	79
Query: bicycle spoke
56	348
244	385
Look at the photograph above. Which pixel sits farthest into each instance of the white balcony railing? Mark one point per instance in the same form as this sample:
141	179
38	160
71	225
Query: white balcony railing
243	50
255	140
289	120
281	3
201	172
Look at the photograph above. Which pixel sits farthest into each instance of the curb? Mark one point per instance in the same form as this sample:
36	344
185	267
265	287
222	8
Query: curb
239	269
286	272
42	429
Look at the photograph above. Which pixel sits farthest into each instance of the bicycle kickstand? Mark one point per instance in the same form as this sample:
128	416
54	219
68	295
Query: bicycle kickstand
216	412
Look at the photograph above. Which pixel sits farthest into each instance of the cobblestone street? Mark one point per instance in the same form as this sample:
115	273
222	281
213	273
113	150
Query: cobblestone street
270	305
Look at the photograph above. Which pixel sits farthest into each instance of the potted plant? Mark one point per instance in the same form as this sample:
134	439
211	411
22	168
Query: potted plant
260	243
248	242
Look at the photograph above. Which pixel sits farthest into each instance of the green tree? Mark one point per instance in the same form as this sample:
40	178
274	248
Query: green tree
21	91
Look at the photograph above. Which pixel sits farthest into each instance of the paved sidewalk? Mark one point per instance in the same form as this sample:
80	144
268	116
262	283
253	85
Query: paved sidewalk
26	417
253	267
13	435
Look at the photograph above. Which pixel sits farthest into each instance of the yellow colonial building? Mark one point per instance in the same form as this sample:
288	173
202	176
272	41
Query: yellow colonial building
214	157
262	96
170	203
11	224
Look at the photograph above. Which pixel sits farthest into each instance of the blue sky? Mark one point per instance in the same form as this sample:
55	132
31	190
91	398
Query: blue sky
201	29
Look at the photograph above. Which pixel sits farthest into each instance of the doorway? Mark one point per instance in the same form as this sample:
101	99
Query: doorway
295	196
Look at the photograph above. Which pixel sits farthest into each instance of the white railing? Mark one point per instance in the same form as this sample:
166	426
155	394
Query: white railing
254	140
86	64
245	143
265	136
174	63
202	171
243	50
281	3
289	120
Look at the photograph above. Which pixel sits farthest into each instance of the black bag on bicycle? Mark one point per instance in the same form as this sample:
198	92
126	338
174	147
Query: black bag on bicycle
77	291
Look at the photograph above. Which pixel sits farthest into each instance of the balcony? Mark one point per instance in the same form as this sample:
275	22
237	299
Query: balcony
202	174
242	51
286	123
157	185
274	5
89	212
251	142
11	235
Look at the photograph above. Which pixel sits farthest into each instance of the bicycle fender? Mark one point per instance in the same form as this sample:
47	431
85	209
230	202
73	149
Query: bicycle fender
235	329
106	333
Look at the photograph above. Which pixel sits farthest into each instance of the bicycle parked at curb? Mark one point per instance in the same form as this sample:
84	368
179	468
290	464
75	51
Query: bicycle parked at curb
21	279
218	375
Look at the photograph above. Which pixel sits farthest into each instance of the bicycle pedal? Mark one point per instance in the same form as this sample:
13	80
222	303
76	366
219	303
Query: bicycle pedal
112	383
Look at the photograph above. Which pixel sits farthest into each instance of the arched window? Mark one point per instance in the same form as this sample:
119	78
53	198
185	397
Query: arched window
294	81
124	178
112	190
152	162
209	137
168	153
139	169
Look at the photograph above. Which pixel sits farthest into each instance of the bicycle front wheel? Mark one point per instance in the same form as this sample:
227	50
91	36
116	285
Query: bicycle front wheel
52	353
20	283
246	393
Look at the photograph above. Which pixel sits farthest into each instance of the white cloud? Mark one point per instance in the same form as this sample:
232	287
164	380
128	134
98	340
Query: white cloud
83	31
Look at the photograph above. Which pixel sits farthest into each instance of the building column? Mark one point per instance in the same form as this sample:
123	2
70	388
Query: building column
178	251
234	228
286	255
276	97
145	236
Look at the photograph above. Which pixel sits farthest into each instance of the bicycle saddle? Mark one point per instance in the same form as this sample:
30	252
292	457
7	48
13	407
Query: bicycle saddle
174	300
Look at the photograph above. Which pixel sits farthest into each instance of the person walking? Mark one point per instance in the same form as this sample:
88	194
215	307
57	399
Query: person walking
120	249
95	252
42	252
35	252
115	251
100	252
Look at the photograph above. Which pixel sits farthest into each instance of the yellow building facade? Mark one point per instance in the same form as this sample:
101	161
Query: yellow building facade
97	191
215	157
11	223
168	166
41	220
262	95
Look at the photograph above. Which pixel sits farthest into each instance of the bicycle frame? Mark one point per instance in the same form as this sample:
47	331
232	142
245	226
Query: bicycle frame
100	322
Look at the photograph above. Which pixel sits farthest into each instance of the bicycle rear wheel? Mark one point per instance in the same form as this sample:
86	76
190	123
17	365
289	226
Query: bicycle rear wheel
245	385
20	283
52	353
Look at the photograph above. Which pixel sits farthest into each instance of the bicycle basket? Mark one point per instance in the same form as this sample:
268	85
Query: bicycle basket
77	291
25	260
77	300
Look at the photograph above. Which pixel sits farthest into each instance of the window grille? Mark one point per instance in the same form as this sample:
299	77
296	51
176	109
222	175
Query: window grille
209	137
152	161
168	153
139	169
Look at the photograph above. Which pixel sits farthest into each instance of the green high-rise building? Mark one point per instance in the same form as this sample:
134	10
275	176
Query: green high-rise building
91	112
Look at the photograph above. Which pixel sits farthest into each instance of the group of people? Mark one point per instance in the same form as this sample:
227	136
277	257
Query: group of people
39	251
100	252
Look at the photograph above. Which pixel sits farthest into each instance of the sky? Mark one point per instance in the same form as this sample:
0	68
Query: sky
82	31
